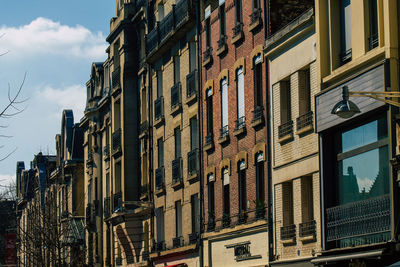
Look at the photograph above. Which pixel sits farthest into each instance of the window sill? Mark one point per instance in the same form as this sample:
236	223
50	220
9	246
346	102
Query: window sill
209	146
159	121
221	49
305	130
176	109
237	37
308	238
160	191
289	242
206	61
192	178
255	24
239	131
285	139
143	196
223	139
257	122
177	184
191	99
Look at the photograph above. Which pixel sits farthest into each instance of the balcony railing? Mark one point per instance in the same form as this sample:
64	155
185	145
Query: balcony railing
285	129
288	232
238	29
177	170
255	16
179	15
177	241
207	53
359	223
193	162
116	78
117	201
116	141
160	178
258	113
345	56
191	84
226	220
159	108
222	41
88	214
107	207
304	120
240	123
373	41
224	131
211	223
193	238
144	127
176	95
209	139
160	246
145	255
106	151
307	228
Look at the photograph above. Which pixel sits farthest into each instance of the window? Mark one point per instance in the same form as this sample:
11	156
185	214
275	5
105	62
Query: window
287	203
160	224
178	218
242	186
195	207
117	115
192	56
116	55
144	106
345	25
194	142
373	24
90	193
144	172
307	212
258	96
160	12
222	20
225	193
238	11
286	115
240	94
224	104
177	137
209	111
211	194
159	83
304	92
160	146
177	76
117	177
207	32
260	193
256	4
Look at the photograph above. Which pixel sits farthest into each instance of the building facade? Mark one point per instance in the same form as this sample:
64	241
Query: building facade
234	134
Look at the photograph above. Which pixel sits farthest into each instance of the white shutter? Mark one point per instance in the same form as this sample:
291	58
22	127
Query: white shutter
226	177
224	103
240	88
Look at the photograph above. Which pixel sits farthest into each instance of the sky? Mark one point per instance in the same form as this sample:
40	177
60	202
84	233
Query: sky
53	43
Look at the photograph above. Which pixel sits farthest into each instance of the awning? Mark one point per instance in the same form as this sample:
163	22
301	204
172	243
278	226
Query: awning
348	256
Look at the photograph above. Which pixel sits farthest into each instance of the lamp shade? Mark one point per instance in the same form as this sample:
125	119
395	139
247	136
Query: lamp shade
345	108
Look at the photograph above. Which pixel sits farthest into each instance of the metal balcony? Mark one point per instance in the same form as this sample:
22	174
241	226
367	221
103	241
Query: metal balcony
304	120
159	108
117	201
116	78
222	41
177	171
207	54
359	223
116	141
193	238
106	151
191	84
176	95
240	123
211	223
288	232
160	178
285	129
224	131
193	162
177	242
238	29
160	246
307	228
226	220
255	16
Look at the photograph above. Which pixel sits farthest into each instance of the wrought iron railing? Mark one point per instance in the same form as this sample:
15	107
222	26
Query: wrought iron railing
116	78
116	140
160	246
107	208
358	220
288	232
255	15
211	223
345	56
224	131
159	108
258	113
226	220
209	139
304	120
176	95
106	150
144	127
193	238
242	218
193	162
179	15
177	242
373	41
207	53
191	84
307	228
88	214
240	123
117	201
145	255
222	41
285	129
177	170
238	29
160	178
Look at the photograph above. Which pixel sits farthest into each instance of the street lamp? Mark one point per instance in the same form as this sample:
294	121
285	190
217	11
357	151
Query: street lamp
347	109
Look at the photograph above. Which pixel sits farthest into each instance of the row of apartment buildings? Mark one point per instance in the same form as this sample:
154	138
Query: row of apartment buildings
209	139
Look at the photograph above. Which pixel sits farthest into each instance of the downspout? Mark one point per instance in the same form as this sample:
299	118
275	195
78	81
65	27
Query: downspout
199	110
268	125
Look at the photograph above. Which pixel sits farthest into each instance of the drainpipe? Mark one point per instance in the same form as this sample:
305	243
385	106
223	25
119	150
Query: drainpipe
268	125
199	110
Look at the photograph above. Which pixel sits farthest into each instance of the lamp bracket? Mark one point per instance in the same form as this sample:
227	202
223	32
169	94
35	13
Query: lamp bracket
380	96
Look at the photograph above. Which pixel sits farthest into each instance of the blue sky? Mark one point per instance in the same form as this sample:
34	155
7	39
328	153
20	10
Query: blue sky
54	43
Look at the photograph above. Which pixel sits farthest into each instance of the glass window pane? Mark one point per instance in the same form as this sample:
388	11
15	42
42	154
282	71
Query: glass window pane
364	176
364	134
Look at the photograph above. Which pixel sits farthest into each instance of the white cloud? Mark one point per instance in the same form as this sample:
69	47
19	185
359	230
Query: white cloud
46	37
71	97
6	179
